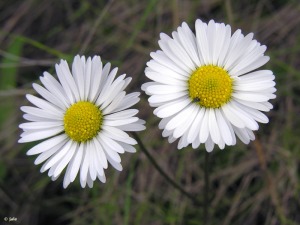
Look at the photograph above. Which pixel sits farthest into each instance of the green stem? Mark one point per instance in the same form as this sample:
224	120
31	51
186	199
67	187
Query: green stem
163	173
206	189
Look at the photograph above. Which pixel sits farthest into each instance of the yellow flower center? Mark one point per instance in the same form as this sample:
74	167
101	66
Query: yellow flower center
82	121
210	86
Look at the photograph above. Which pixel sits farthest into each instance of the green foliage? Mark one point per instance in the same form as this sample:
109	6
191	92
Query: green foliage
8	76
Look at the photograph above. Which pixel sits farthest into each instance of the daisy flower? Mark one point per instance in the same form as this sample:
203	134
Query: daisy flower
205	88
83	118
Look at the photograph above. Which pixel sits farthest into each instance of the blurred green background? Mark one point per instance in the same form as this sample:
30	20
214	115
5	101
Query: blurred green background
249	184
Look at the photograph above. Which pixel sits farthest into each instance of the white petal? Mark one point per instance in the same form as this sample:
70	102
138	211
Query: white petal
167	133
166	98
165	67
84	165
220	38
55	88
196	125
97	166
128	101
221	144
182	130
122	114
248	59
132	127
90	182
108	150
260	75
106	88
118	135
96	74
188	41
127	147
232	116
102	178
66	159
204	130
165	79
35	118
172	52
40	134
238	49
104	76
255	114
225	46
111	143
262	106
180	118
76	162
183	141
250	96
87	78
40	113
58	155
46	154
48	144
211	38
68	77
78	71
256	64
93	157
209	145
224	128
114	90
59	102
172	108
202	42
67	83
213	126
67	180
114	163
101	155
114	104
129	120
254	87
179	51
165	89
242	134
40	125
196	142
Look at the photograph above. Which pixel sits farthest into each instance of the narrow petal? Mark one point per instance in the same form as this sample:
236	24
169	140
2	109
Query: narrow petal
213	126
51	151
172	108
195	128
101	155
46	145
58	156
76	162
224	128
66	159
204	130
59	102
40	134
40	125
84	165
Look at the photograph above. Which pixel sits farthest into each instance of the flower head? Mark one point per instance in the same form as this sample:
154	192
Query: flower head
84	117
205	87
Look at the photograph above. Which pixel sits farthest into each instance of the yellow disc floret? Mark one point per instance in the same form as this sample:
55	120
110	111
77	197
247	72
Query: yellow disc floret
210	86
82	121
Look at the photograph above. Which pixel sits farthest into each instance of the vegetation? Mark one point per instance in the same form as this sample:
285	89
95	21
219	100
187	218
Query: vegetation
248	184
